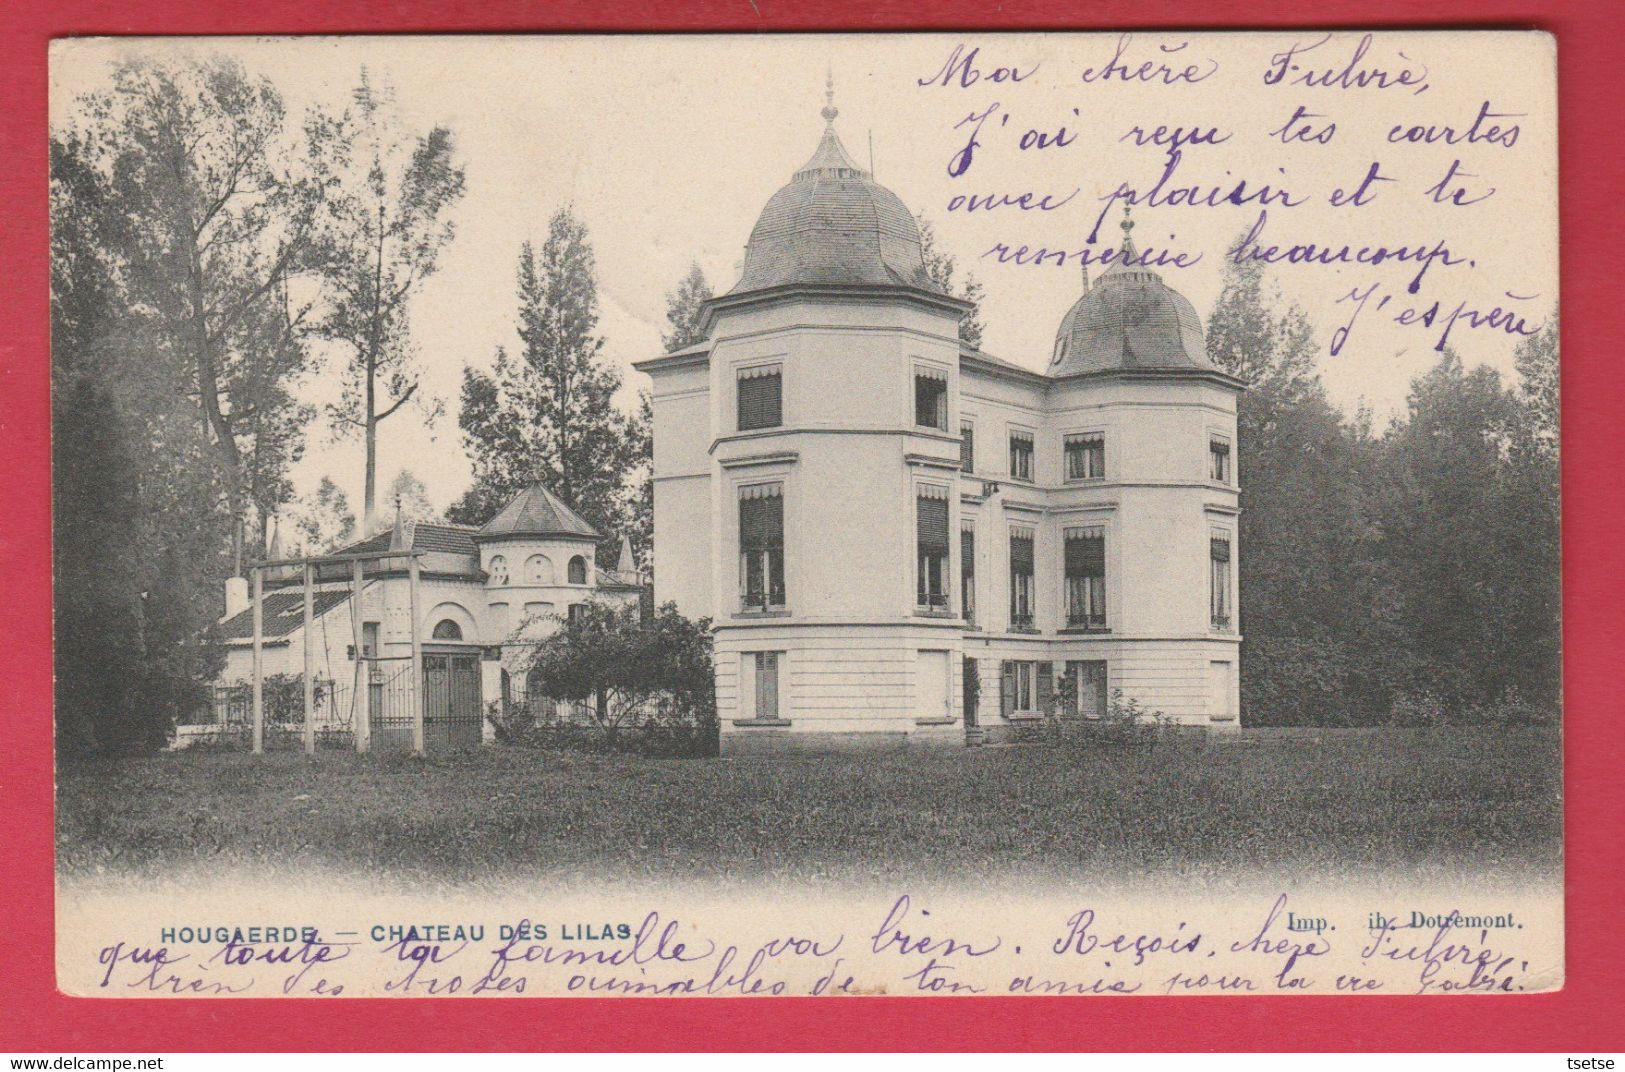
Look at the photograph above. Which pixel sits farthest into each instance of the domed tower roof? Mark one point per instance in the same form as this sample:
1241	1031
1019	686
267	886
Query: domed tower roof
1130	319
834	225
536	513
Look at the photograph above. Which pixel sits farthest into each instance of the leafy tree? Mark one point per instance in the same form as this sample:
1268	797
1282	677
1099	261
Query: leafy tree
387	219
625	668
1531	522
413	497
323	520
1308	580
683	308
138	539
549	414
1457	538
215	215
941	267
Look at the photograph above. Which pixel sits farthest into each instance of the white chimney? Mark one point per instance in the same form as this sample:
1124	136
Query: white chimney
236	595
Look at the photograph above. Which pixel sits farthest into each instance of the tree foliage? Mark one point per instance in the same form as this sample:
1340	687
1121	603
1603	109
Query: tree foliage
683	308
548	413
214	218
1378	570
412	495
942	269
386	219
322	520
624	668
134	495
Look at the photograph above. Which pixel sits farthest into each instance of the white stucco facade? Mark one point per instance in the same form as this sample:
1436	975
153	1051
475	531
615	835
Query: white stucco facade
858	649
485	596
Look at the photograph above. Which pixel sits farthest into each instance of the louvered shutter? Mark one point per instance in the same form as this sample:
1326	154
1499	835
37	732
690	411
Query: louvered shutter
1085	553
1021	553
1007	687
760	398
761	520
933	525
1046	685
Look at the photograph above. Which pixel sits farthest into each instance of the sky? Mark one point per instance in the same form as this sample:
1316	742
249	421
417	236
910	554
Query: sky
669	146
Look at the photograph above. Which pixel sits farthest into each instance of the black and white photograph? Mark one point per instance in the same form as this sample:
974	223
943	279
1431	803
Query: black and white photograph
824	514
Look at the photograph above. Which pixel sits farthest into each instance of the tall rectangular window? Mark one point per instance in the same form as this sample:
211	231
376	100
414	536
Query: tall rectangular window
1085	456
1025	688
1085	561
1088	682
931	399
763	668
1218	454
1021	455
1021	578
761	397
761	547
967	571
1219	599
931	511
967	447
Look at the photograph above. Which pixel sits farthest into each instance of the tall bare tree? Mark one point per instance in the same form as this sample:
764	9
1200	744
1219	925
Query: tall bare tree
387	220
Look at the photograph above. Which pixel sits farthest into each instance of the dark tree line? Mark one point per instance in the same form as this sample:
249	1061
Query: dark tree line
1410	575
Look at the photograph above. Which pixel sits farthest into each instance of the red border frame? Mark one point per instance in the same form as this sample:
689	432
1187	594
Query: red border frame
1583	1016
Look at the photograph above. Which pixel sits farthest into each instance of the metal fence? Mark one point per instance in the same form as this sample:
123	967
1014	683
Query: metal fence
453	714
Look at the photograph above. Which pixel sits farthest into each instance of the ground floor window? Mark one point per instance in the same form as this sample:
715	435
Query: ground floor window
1025	687
760	688
1086	680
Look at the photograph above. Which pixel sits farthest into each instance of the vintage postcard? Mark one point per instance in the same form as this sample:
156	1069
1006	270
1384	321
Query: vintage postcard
909	514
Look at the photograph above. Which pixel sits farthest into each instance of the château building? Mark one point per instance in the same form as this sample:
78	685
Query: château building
902	538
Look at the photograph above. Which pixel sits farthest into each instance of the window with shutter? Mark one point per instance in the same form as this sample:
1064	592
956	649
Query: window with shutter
1021	579
1085	570
760	392
767	685
1085	456
1219	598
931	399
761	547
1088	682
931	538
967	447
1021	455
967	572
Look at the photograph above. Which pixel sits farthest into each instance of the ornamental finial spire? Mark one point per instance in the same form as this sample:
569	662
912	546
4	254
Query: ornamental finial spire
830	111
1128	227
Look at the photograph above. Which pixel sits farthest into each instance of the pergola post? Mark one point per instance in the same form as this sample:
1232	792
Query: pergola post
310	670
419	691
363	679
259	661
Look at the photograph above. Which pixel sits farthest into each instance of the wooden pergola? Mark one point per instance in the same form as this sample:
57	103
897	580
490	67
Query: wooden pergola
311	566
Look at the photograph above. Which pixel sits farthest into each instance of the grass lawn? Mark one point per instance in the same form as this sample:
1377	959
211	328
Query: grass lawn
1421	802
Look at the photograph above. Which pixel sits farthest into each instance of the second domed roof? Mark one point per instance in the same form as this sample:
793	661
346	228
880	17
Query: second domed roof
1130	319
